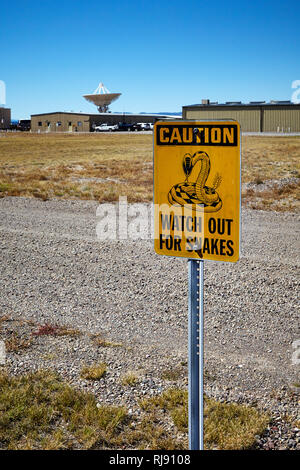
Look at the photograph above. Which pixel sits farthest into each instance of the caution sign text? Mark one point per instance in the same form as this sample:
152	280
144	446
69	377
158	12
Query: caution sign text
197	189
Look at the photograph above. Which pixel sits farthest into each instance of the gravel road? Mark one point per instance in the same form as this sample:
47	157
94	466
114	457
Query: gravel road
54	270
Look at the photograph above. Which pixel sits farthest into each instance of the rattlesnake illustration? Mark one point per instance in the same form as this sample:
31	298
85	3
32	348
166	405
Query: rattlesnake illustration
197	193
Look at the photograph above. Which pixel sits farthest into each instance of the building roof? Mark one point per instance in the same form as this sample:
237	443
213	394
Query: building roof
210	104
61	112
107	114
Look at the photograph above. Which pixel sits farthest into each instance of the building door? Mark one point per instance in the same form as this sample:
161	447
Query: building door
70	127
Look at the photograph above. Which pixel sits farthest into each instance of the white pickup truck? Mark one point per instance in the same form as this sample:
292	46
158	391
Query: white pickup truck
106	128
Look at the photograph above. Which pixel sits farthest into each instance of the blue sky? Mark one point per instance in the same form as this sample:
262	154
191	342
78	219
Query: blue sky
160	55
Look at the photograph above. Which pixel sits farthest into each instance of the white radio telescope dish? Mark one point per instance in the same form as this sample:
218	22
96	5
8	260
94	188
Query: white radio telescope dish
102	98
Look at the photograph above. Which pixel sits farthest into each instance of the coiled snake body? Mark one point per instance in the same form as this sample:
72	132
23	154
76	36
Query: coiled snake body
197	193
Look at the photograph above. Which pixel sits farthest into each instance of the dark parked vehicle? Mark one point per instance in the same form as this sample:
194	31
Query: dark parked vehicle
136	127
24	125
124	126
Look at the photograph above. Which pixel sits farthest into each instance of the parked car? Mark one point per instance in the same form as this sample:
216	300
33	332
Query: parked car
124	126
106	128
135	127
24	125
144	126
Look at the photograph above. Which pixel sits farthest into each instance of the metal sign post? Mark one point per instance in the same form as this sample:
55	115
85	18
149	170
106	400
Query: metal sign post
195	332
197	195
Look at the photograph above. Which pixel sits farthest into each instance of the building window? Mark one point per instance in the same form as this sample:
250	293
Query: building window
79	123
58	123
40	123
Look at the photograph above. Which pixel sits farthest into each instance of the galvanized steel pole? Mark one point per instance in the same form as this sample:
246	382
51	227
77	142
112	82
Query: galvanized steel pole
195	332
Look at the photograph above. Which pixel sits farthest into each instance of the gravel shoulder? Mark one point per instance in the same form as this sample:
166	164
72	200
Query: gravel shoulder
54	270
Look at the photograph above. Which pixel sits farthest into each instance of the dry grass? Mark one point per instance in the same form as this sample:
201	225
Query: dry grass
130	378
266	158
271	158
15	343
4	319
55	330
104	166
98	167
172	374
40	411
101	342
227	426
285	198
94	372
149	434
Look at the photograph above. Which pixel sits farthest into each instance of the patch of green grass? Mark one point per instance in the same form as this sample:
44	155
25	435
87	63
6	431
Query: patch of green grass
179	416
129	379
149	434
94	372
39	411
4	187
232	426
226	426
168	400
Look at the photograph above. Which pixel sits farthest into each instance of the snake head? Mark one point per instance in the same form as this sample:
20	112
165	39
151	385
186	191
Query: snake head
209	190
187	164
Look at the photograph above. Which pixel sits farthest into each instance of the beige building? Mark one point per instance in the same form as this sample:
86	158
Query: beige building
60	122
5	118
256	116
80	122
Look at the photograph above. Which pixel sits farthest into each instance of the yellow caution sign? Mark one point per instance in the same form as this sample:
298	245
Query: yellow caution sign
197	189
